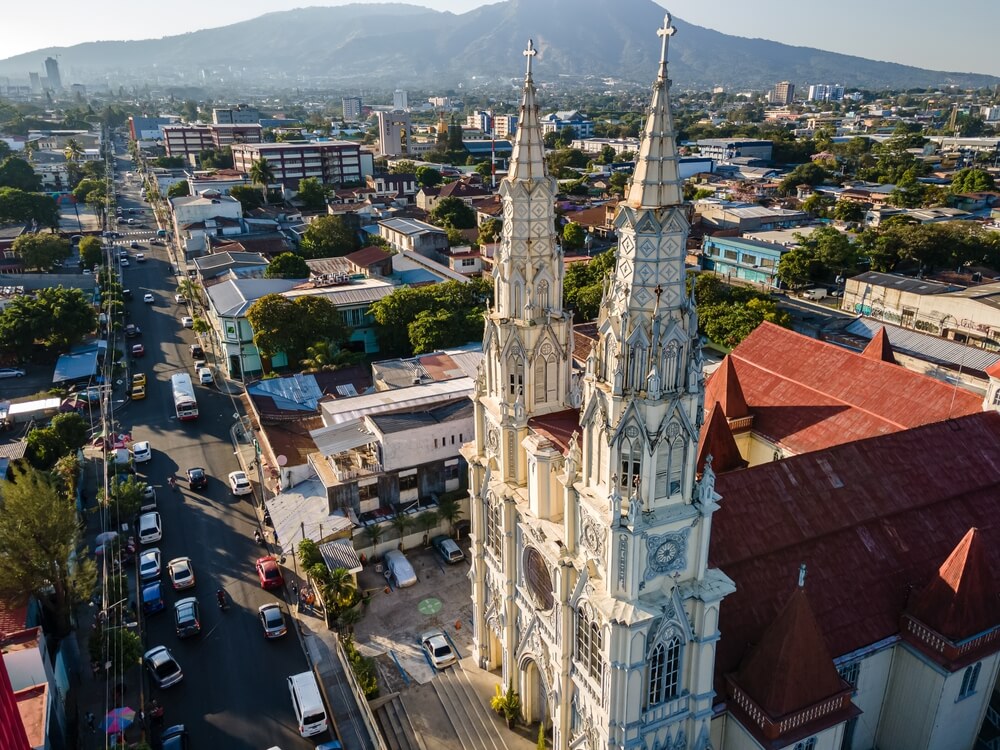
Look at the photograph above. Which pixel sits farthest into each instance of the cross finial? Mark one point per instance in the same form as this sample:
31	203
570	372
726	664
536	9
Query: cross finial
666	31
530	53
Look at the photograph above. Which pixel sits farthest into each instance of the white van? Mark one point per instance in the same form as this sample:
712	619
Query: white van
307	703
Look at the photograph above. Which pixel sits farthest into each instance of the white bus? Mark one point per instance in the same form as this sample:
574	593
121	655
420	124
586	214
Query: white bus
185	403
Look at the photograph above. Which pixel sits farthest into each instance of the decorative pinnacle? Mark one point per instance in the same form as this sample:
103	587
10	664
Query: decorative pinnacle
530	53
665	32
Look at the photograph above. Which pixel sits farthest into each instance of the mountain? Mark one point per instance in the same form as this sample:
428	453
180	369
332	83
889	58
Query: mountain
394	44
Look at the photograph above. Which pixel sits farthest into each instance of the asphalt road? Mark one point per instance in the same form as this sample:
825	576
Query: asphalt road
233	694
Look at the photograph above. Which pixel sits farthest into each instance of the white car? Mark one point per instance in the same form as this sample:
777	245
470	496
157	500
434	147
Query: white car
239	483
437	648
148	298
11	372
149	564
181	573
179	299
187	322
205	376
124	262
150	528
142	452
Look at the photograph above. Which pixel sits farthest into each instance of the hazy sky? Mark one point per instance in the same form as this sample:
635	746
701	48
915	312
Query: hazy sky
915	32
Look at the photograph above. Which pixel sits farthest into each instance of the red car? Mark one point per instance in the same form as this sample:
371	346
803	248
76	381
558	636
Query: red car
138	350
269	573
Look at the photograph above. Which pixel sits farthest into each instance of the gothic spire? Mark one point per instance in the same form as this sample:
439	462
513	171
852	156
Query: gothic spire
656	181
528	159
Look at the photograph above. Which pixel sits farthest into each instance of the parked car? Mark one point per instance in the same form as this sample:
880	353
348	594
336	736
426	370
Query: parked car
272	620
149	564
175	738
139	378
205	376
181	573
187	617
150	528
163	668
448	549
148	498
11	372
152	598
142	452
437	648
140	258
179	299
239	484
399	569
124	263
197	352
148	298
138	392
187	321
197	478
132	330
269	573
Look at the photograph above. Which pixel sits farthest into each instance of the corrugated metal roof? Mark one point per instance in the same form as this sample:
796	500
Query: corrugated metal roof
342	437
297	392
341	554
388	423
232	297
352	409
301	511
411	226
924	346
904	283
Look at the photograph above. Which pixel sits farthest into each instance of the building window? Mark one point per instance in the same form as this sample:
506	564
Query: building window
996	397
435	442
670	459
767	262
494	526
451	472
809	744
468	261
515	377
631	455
969	680
589	644
546	377
664	672
408	482
749	260
729	254
368	491
849	673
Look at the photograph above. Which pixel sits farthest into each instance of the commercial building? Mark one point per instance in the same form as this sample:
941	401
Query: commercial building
54	80
505	126
782	94
414	235
190	140
241	114
826	92
725	149
597	145
196	217
352	108
556	121
747	217
739	258
331	162
393	133
228	134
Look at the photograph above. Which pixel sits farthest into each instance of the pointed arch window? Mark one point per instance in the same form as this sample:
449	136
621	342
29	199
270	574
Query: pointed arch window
664	672
494	525
631	459
671	367
969	680
671	456
542	296
515	375
517	304
638	367
546	374
589	643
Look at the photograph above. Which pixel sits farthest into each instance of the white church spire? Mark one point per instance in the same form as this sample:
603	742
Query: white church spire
528	159
656	181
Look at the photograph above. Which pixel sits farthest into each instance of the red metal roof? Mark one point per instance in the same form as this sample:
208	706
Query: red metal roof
961	601
12	733
879	348
558	427
871	519
806	395
734	404
718	442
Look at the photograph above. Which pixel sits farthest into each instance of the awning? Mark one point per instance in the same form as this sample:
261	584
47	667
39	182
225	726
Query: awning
341	554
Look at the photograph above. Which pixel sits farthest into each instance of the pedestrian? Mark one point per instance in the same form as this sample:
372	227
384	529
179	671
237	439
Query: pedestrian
295	590
91	721
95	669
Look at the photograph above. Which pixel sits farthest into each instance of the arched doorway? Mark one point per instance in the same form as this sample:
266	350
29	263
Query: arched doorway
534	696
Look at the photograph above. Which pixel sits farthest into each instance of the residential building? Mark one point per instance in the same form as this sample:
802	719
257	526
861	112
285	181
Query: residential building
746	217
185	139
505	126
241	114
220	180
332	162
466	261
990	113
556	121
414	235
352	108
782	94
229	264
400	100
398	186
467	189
745	259
371	261
480	120
724	150
393	133
198	216
826	92
597	145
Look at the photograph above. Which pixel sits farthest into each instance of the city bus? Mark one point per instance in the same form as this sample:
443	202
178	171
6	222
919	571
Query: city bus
185	403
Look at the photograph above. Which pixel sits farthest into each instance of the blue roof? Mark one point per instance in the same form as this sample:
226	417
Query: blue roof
486	147
81	363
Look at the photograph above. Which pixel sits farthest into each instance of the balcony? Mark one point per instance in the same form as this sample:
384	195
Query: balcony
353	464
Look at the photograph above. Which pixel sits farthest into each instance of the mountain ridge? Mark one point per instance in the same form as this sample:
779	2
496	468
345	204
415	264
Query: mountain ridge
403	44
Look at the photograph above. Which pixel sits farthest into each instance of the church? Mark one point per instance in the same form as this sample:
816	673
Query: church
636	597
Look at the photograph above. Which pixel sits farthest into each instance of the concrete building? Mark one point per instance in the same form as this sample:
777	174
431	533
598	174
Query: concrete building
826	92
227	134
556	121
198	216
184	139
414	235
219	180
597	145
400	100
352	108
746	217
723	150
332	162
393	133
241	114
54	80
782	94
744	259
149	128
505	126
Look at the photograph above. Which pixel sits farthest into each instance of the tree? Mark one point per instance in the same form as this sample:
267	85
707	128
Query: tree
126	497
120	646
291	326
287	266
449	510
403	166
41	251
66	314
729	324
73	150
179	189
401	523
428	176
796	267
329	237
850	211
340	589
573	236
452	212
833	249
91	253
427	521
804	174
566	135
86	186
188	289
562	162
261	173
972	180
248	197
64	436
373	532
327	355
311	194
39	536
489	231
583	285
17	173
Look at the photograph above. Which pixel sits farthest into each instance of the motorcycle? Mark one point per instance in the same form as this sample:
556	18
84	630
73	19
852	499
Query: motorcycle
220	597
257	537
172	482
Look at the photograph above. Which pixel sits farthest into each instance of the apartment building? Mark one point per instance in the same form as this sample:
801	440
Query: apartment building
352	107
826	92
781	94
505	126
187	139
332	162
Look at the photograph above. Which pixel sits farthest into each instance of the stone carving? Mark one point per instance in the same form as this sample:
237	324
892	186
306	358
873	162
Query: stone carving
593	536
666	553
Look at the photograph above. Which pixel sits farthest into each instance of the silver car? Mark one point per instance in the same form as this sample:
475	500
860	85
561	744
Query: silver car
399	569
163	668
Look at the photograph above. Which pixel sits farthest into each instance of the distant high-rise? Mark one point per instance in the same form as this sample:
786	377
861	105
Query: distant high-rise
36	83
52	73
394	133
782	93
400	99
826	92
352	107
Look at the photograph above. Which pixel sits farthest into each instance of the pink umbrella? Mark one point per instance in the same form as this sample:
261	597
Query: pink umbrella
118	720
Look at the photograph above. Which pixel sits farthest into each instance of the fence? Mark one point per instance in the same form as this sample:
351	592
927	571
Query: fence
367	716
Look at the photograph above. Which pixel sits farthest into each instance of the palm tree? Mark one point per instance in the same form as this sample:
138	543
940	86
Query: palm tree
73	150
401	522
261	173
374	533
450	511
340	589
327	355
426	521
188	289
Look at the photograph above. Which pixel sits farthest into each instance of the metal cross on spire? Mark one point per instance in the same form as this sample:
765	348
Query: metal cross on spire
530	53
666	31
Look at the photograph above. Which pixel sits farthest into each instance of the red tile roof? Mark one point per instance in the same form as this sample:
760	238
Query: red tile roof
368	256
806	395
994	370
718	442
961	601
879	348
790	668
13	619
557	427
871	519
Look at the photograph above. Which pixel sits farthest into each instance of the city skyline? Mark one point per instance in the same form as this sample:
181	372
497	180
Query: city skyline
856	28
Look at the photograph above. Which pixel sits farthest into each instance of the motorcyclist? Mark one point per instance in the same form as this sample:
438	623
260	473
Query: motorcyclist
172	482
220	595
257	537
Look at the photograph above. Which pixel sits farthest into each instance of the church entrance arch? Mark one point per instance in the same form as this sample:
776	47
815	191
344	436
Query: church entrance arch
534	695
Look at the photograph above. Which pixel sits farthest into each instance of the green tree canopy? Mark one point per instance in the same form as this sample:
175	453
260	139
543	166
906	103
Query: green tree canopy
19	206
488	230
428	176
41	251
573	236
17	173
563	161
91	253
403	166
248	197
84	187
804	174
291	326
56	317
287	266
452	212
179	189
64	436
583	285
262	173
329	237
311	194
39	536
972	180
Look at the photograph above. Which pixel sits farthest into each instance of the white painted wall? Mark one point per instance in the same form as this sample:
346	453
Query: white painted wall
911	704
873	676
409	448
958	721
